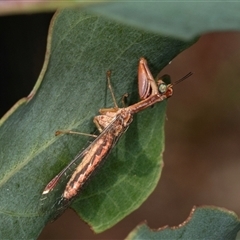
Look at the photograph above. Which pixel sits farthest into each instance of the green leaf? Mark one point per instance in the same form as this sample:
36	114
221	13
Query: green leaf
203	223
183	19
70	90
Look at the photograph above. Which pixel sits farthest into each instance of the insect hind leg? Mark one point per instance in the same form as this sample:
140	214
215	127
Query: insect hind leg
73	132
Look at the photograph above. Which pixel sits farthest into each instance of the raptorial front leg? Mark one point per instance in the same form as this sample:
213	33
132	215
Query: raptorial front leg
146	83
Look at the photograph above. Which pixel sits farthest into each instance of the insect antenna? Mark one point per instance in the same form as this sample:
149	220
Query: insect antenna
182	79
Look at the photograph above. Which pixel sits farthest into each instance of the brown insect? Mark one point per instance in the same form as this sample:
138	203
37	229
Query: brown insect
112	123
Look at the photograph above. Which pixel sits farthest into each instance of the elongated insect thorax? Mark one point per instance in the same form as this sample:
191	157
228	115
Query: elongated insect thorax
97	152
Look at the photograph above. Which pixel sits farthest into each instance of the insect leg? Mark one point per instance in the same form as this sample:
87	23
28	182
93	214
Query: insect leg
146	83
124	97
111	89
73	132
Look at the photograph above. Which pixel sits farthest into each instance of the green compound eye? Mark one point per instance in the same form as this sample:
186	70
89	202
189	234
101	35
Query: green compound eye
162	88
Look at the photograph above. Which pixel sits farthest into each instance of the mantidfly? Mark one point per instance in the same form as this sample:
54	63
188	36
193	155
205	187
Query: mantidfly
111	123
